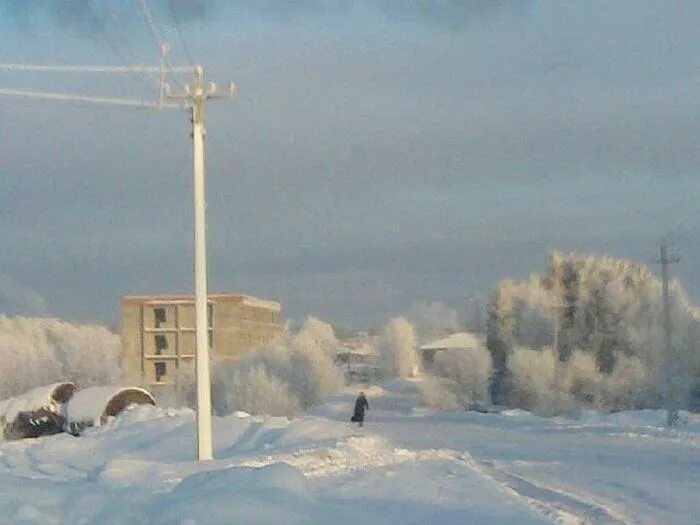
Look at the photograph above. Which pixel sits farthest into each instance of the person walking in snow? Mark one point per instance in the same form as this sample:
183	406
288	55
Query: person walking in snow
361	405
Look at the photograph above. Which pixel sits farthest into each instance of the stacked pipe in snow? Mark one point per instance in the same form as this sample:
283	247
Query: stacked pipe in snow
94	405
37	412
58	407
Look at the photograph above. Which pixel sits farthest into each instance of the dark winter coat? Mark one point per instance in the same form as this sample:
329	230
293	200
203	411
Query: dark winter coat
361	405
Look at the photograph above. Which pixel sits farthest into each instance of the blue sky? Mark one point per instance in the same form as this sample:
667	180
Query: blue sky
380	153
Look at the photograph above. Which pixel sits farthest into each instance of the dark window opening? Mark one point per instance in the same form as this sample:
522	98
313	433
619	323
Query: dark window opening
159	315
161	344
161	371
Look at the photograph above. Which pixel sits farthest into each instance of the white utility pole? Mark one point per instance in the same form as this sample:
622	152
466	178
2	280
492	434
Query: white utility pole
671	368
194	97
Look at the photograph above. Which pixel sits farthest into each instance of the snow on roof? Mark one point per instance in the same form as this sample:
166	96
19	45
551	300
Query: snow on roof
40	397
247	300
262	303
357	349
88	406
459	340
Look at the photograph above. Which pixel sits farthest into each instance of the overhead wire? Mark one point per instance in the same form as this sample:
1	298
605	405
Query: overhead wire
178	28
150	81
157	35
109	101
128	67
57	68
681	228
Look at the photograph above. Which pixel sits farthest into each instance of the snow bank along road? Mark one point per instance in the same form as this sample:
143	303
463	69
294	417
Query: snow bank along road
407	465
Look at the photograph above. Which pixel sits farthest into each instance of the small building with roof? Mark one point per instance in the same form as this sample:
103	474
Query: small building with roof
465	341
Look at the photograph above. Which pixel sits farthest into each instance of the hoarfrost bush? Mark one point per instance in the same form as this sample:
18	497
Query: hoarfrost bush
581	378
397	349
439	393
459	379
613	315
630	385
532	385
532	381
290	374
255	390
38	351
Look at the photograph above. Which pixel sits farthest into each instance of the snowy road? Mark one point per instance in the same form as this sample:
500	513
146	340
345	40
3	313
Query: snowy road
407	465
618	469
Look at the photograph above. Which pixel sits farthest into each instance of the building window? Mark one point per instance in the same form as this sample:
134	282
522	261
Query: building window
161	344
161	371
159	314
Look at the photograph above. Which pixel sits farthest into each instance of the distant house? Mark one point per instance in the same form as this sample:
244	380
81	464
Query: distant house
458	341
355	352
359	359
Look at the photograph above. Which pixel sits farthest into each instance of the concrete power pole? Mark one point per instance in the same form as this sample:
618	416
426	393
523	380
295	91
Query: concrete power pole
556	321
672	403
194	97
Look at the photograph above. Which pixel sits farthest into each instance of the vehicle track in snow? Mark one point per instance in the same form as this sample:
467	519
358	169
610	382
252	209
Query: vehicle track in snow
563	507
369	452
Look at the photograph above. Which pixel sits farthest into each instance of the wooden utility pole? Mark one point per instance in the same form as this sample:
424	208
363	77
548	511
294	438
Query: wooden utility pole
670	368
556	320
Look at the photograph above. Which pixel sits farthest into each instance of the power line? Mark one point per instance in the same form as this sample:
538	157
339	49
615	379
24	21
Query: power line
65	97
683	226
158	38
178	28
113	46
85	69
193	98
125	41
148	17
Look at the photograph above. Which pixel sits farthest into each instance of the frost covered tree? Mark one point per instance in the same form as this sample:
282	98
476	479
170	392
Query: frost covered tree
611	311
458	379
39	351
285	376
397	348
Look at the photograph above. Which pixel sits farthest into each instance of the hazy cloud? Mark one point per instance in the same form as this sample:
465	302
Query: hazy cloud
375	157
19	299
89	17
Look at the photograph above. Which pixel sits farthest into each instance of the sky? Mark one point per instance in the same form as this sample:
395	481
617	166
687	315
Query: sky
380	154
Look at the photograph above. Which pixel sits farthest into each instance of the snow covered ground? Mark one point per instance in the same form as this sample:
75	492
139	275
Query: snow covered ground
407	465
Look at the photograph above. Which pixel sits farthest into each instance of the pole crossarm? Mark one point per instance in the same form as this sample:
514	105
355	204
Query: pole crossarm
197	91
51	68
